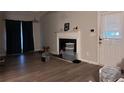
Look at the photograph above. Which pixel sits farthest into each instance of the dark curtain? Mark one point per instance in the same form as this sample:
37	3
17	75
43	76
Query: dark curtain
13	37
28	42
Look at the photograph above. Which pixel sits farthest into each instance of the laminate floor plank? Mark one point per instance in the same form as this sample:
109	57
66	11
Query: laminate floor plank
30	68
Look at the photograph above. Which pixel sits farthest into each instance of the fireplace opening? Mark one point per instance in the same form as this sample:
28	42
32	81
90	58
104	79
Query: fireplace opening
67	49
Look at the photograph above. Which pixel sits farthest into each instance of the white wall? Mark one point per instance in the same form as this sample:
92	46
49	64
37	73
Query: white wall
54	22
29	16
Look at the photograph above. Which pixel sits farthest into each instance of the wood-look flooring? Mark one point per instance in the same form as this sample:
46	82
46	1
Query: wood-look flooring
30	68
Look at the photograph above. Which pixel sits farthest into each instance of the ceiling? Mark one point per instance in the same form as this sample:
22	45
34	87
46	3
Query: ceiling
35	13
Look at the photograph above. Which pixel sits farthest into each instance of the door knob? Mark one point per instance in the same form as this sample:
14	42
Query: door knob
100	38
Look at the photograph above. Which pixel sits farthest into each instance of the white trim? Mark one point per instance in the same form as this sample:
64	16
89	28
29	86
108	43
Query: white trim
70	35
64	60
82	60
98	34
109	12
99	16
90	62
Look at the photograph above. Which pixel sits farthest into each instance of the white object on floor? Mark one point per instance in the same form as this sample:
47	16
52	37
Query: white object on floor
109	74
120	80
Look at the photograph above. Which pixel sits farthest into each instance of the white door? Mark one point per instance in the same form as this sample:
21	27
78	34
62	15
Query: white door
110	40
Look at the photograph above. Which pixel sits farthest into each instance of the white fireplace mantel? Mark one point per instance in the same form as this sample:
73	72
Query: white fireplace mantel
70	35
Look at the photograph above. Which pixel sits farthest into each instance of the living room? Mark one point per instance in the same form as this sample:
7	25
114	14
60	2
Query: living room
90	43
61	46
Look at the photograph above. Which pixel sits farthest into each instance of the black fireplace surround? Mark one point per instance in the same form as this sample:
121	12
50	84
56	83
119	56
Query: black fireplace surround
62	43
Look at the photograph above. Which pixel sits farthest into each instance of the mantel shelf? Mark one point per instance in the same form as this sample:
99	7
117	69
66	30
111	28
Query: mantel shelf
68	32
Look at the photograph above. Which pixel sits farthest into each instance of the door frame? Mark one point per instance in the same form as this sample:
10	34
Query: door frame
99	16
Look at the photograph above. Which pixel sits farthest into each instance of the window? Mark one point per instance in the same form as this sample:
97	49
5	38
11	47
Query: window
112	26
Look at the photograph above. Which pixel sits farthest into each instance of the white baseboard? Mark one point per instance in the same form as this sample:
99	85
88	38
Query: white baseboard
83	60
91	62
64	60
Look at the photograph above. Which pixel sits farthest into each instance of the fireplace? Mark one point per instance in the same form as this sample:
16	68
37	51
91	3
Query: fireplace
69	40
68	43
67	49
